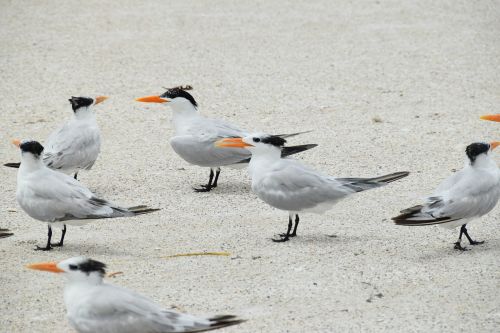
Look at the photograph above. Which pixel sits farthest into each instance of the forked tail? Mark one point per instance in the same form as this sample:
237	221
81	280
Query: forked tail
363	184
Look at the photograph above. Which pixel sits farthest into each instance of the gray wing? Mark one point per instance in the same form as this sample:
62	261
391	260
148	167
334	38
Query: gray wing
203	152
464	195
51	196
73	146
291	186
116	310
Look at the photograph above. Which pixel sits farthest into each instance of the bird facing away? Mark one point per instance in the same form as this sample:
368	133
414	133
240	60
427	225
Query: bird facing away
492	117
75	145
466	195
288	185
195	136
95	306
58	199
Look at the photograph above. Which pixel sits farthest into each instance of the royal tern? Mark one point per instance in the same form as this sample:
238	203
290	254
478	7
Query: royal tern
58	199
195	136
466	195
288	185
491	117
76	144
95	306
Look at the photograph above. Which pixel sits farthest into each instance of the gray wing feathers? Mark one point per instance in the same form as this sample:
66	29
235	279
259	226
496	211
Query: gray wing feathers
72	147
119	310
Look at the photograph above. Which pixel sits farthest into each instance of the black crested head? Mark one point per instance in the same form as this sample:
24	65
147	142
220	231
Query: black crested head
90	266
180	92
475	149
33	147
274	140
78	102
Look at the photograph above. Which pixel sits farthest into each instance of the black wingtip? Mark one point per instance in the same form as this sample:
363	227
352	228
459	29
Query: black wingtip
291	150
224	321
13	165
142	209
284	136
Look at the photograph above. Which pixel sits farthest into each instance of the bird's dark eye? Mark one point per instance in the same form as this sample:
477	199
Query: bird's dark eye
256	139
73	267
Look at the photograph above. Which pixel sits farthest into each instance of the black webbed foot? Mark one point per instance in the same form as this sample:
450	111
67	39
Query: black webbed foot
203	188
280	240
459	246
46	248
476	242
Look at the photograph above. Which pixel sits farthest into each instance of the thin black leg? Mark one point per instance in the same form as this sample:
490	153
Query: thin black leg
76	174
217	173
294	232
47	247
208	187
285	237
62	237
471	241
458	245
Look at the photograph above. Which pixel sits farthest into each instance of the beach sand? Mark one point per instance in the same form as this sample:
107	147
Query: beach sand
385	86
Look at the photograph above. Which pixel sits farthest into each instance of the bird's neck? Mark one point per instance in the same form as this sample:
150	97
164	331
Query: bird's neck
262	160
30	163
84	113
484	161
183	115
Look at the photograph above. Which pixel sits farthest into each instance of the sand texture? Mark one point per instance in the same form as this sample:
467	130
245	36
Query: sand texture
385	86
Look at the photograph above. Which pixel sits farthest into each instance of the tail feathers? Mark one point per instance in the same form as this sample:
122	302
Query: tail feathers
4	233
224	321
13	165
287	151
363	184
142	209
415	216
284	136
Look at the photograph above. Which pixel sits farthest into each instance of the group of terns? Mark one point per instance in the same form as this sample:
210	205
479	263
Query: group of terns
48	190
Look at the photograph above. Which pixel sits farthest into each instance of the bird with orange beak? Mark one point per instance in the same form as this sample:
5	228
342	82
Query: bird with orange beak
461	198
195	136
491	117
75	145
58	199
95	306
287	184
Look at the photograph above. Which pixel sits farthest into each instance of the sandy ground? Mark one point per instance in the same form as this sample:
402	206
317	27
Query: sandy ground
425	71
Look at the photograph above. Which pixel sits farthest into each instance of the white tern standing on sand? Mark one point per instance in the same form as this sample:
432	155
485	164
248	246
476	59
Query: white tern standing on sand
195	136
95	306
467	194
288	185
58	199
76	144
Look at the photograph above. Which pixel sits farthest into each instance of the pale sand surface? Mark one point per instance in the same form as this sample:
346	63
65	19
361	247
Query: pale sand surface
427	69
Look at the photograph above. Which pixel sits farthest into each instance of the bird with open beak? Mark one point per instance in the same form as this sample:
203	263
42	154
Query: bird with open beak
76	144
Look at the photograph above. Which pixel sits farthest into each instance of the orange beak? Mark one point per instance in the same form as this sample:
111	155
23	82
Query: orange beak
232	143
46	266
494	144
491	117
152	99
16	142
100	99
